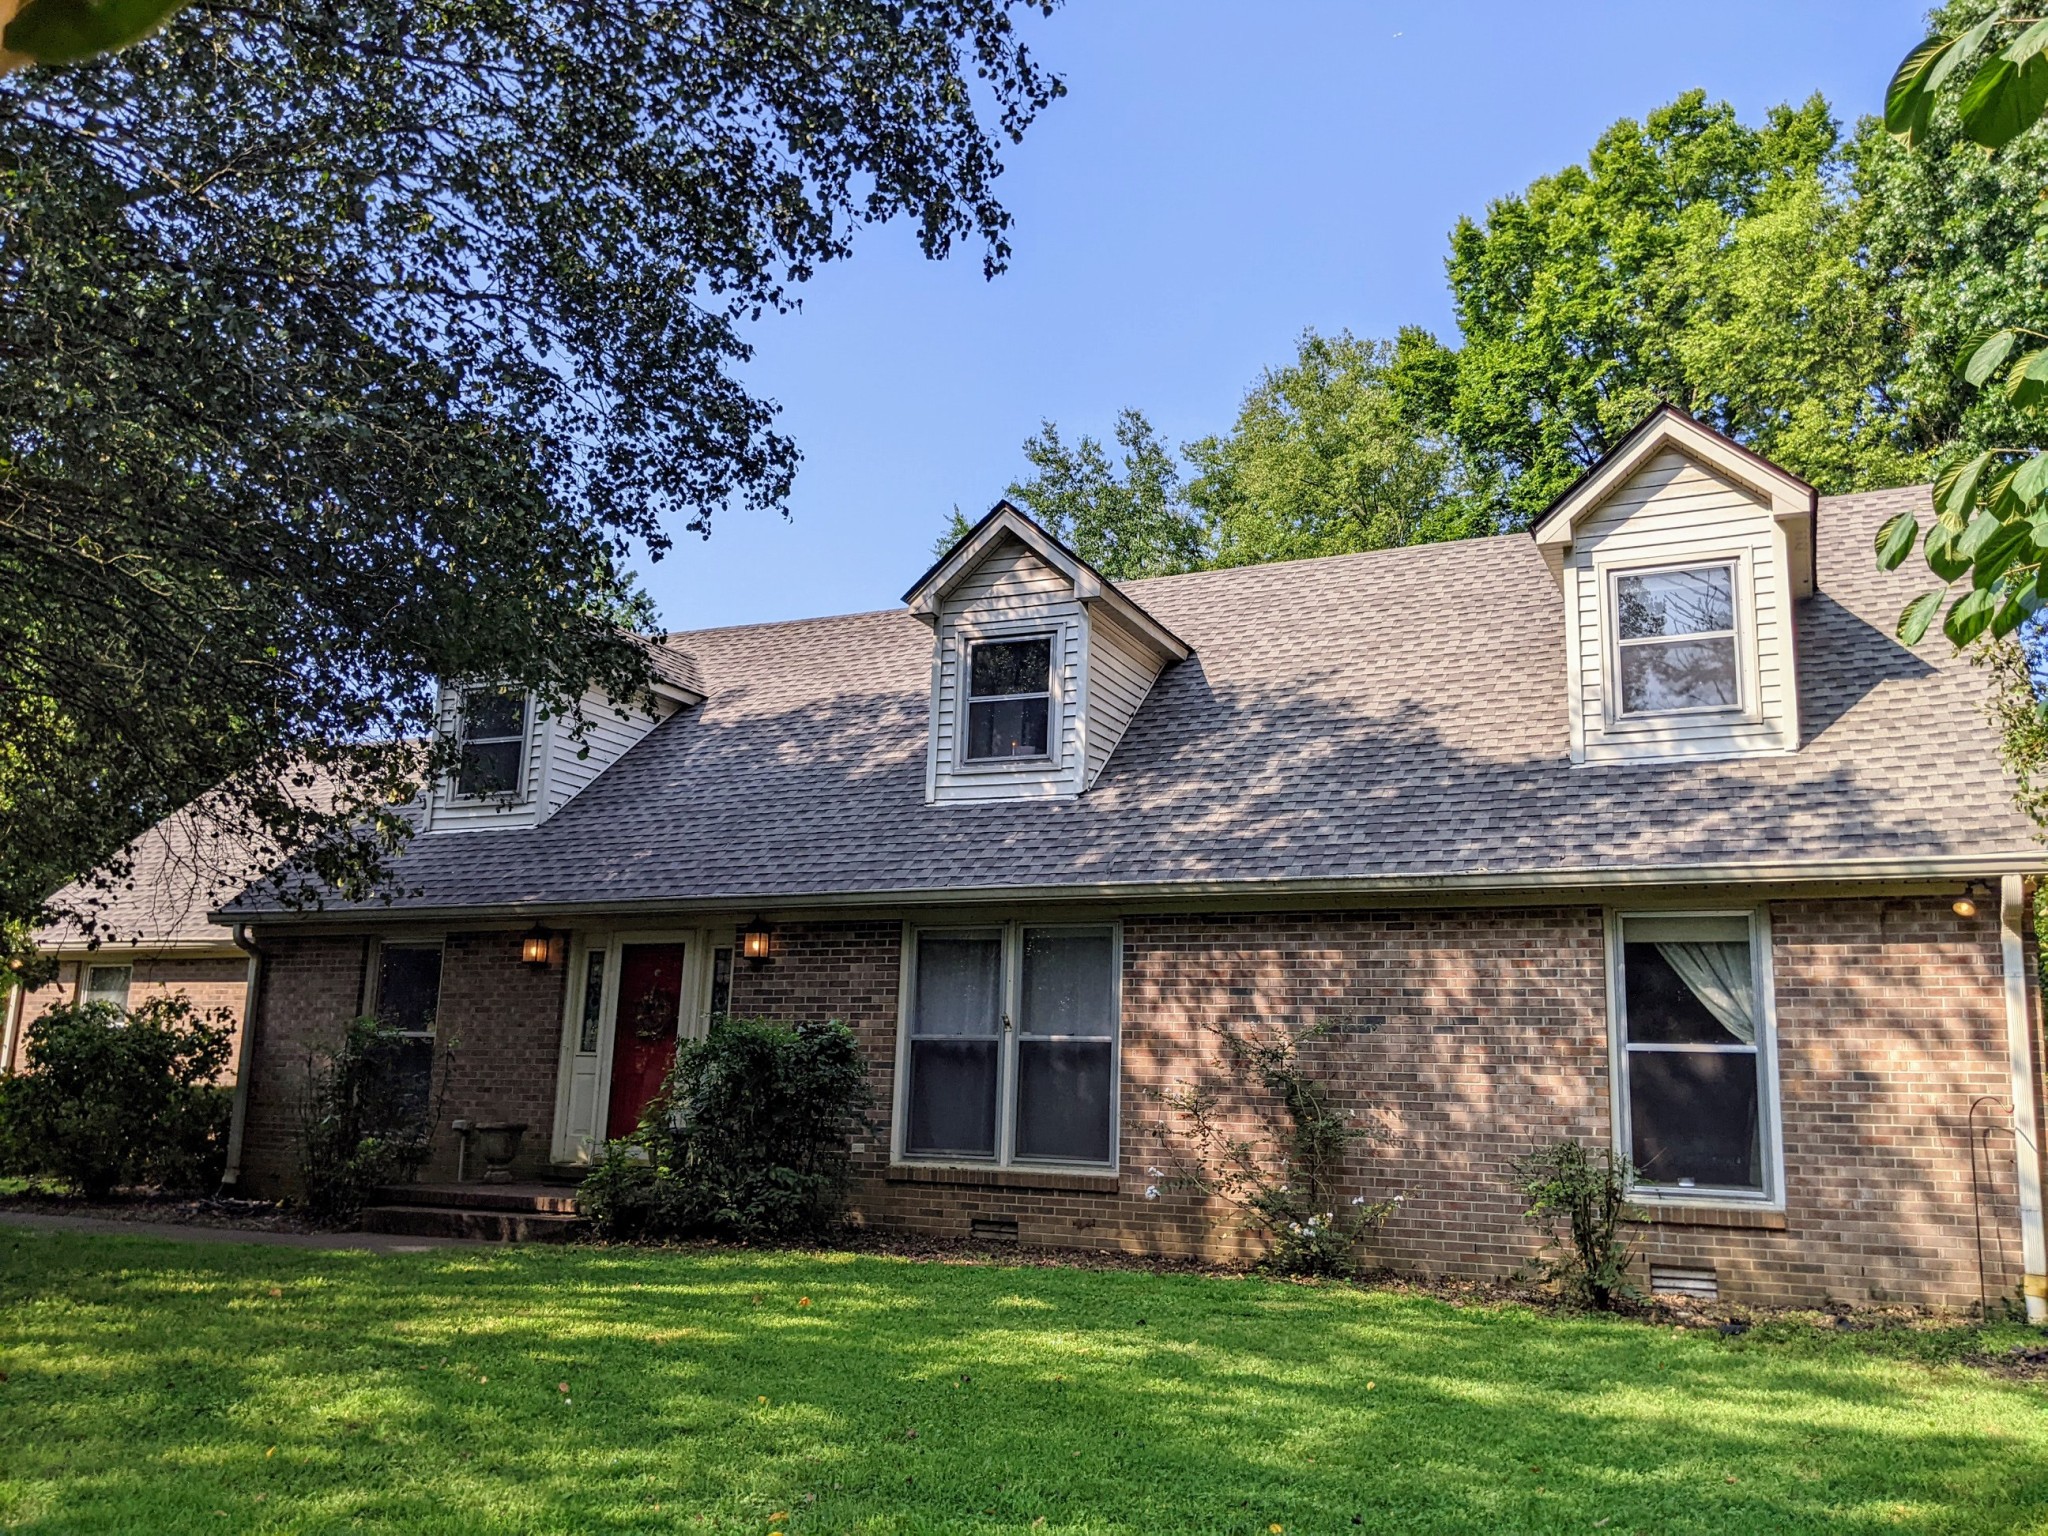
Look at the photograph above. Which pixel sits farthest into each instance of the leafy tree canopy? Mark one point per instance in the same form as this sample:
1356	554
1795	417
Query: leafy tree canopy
1339	451
1128	519
1691	260
349	347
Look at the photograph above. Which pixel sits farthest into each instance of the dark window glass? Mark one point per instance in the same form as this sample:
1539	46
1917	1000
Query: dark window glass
1662	1009
1007	728
721	983
1011	666
1063	1100
593	1001
1009	703
493	742
955	1038
409	986
1693	1117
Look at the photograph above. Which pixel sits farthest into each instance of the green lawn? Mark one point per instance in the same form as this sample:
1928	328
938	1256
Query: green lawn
159	1387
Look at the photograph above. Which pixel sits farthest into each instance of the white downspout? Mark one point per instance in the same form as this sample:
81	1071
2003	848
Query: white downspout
244	1057
2026	1117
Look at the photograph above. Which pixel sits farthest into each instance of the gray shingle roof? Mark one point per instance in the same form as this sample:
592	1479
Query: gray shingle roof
1391	717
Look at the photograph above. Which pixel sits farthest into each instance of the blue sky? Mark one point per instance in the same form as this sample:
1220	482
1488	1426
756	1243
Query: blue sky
1219	177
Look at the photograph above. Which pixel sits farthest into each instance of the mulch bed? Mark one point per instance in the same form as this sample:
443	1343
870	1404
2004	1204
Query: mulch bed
148	1205
2023	1362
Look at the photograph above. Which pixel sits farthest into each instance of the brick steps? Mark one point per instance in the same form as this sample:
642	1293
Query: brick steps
496	1213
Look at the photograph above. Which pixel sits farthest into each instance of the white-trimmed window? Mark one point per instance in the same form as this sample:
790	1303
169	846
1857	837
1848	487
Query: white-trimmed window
493	736
108	984
1675	644
1009	699
1695	1054
1009	1045
407	999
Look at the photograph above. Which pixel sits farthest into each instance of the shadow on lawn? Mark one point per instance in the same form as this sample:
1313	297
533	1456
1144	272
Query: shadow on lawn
147	1386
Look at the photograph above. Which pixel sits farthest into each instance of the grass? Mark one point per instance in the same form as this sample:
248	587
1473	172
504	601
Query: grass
171	1387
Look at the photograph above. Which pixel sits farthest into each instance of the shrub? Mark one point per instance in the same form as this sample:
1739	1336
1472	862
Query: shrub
1284	1179
1590	1192
367	1116
114	1097
748	1139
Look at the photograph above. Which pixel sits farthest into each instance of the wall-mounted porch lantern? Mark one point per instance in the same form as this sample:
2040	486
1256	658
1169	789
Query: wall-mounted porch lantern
754	943
536	948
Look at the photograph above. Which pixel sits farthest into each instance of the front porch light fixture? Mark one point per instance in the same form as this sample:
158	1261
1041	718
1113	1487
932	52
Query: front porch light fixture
754	943
536	947
1965	905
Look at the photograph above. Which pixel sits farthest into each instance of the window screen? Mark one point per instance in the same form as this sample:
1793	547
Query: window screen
1691	1021
955	1045
408	998
1676	640
1009	699
493	742
1066	1046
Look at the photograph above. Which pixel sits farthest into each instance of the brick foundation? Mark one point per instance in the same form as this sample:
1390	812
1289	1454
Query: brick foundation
1465	1037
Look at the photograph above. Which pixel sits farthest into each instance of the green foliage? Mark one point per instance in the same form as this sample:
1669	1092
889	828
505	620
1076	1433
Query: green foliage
1589	1191
1126	522
1995	67
748	1139
112	1097
367	1116
347	347
1337	452
66	31
1691	260
1285	1174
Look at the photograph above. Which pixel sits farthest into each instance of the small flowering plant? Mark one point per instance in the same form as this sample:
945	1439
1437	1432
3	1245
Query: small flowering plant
1284	1178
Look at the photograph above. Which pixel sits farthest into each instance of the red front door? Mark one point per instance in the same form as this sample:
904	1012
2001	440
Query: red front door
644	1037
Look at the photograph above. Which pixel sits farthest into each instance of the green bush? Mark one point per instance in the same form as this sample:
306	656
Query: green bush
367	1116
1590	1193
748	1139
113	1097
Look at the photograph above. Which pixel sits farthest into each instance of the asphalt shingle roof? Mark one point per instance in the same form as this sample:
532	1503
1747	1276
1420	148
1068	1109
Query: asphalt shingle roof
1389	717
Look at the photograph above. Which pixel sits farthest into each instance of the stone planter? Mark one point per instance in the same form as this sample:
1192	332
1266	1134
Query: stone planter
498	1141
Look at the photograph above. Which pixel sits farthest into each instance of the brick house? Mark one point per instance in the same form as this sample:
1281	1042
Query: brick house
1638	827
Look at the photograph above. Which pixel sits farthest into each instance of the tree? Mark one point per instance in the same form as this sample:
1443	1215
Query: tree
1691	260
66	31
1126	522
1337	452
345	348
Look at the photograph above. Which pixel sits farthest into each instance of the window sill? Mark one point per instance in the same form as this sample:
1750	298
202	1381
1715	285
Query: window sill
1005	1178
1652	1213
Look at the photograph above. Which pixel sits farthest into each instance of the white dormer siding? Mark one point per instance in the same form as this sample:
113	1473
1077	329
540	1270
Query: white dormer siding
1008	583
1010	595
1121	672
557	767
1677	506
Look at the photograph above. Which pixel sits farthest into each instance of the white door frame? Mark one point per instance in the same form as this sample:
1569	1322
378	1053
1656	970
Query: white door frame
583	1143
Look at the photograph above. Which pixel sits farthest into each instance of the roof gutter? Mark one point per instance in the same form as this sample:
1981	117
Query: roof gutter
1536	884
2022	1061
245	1057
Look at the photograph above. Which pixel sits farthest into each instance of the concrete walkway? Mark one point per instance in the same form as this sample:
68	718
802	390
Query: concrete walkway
181	1232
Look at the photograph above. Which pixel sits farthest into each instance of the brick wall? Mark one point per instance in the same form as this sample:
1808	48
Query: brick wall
214	983
503	1017
1465	1038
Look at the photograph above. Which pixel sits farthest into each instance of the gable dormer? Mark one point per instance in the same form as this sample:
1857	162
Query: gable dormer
1680	557
1039	664
520	763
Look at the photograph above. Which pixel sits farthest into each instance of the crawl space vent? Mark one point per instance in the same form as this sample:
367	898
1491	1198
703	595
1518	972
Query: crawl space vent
1699	1284
992	1229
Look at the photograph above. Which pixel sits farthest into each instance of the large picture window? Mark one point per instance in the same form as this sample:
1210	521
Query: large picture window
1675	640
1009	699
1692	1018
1011	1046
493	743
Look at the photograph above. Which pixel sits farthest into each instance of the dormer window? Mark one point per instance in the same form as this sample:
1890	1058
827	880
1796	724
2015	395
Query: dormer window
1675	639
493	743
1009	699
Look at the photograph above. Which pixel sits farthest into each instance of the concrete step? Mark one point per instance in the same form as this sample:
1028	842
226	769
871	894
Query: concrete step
543	1199
492	1226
